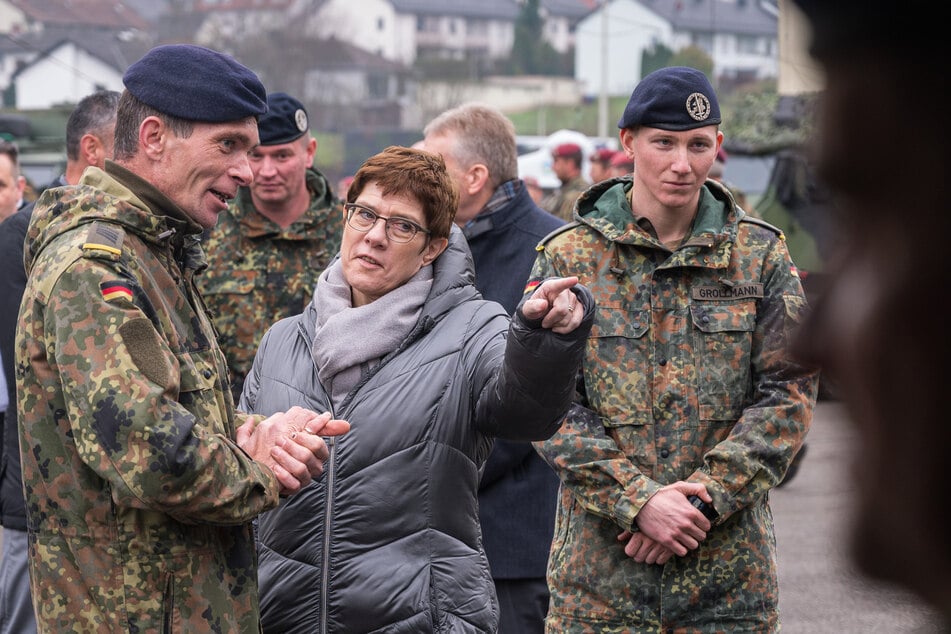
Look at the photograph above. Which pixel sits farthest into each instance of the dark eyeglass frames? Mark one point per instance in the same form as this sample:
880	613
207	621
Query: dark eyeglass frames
397	229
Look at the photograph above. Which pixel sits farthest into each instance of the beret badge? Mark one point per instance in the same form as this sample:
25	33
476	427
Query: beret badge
698	106
300	118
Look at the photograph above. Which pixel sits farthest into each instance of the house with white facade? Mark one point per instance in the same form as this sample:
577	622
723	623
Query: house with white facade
740	36
560	19
480	31
57	51
60	66
64	74
406	29
609	44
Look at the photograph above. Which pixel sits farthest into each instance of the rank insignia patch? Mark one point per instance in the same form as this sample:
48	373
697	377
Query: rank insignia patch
114	290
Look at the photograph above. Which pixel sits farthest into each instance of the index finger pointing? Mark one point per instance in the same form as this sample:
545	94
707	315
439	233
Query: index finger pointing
551	288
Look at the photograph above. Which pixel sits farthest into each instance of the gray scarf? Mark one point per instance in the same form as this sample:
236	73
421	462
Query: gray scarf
350	341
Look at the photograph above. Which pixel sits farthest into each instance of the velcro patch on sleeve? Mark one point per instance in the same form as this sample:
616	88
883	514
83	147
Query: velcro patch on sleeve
116	290
104	238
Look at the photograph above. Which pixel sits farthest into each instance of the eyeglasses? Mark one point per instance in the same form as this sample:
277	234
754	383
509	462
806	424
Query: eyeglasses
397	229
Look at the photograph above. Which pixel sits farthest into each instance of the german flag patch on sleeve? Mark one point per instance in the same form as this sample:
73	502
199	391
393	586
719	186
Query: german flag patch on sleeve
532	285
116	290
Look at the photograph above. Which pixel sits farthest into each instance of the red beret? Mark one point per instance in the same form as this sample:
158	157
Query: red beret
602	155
621	159
566	150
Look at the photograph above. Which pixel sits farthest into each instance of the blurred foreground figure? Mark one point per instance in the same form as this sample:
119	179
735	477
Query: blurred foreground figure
876	329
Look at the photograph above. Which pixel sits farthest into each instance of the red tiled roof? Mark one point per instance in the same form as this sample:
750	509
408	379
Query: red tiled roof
102	13
232	5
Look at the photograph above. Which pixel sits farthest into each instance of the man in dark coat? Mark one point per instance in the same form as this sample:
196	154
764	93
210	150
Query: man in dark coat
518	491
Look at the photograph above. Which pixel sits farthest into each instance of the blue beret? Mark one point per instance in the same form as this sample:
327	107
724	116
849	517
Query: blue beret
196	84
674	98
285	121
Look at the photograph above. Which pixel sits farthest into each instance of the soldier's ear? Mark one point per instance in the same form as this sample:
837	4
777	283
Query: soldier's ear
312	150
626	137
153	135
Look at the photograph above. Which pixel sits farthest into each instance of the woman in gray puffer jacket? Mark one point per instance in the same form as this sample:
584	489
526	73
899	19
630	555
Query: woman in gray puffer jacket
399	342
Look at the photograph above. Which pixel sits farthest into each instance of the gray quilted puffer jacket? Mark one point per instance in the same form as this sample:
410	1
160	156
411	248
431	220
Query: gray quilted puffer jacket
388	538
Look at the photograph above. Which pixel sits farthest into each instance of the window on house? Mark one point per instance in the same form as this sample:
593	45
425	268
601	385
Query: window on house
703	41
478	27
377	86
748	44
427	24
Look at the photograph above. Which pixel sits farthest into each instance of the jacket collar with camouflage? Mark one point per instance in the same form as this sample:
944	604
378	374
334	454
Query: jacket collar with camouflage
255	225
117	196
606	208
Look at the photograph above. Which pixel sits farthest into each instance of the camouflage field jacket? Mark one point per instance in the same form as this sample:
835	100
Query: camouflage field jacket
138	500
687	377
259	272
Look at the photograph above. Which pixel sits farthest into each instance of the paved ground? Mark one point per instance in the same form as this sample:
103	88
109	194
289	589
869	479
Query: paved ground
819	591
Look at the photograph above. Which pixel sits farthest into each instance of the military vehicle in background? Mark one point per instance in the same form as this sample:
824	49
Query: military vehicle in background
41	138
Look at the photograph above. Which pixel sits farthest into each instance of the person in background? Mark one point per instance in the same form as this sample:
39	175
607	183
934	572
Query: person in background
502	225
875	328
692	406
343	184
535	189
566	163
601	164
12	181
622	164
141	480
399	341
277	235
89	137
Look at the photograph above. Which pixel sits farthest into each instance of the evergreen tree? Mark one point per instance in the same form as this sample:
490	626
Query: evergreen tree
531	53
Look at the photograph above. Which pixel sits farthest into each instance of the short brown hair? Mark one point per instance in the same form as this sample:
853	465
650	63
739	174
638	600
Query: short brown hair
130	113
415	173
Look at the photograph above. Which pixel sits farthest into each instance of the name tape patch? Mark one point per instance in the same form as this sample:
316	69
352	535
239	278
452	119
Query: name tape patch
739	291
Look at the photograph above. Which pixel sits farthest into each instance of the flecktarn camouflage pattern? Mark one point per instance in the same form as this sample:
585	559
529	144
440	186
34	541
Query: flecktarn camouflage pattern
687	377
259	273
138	500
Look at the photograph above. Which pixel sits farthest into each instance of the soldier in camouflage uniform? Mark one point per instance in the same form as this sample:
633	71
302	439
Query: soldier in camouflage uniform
566	163
692	408
141	481
267	250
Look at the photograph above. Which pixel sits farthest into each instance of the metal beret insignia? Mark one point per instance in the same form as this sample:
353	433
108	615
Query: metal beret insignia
698	106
